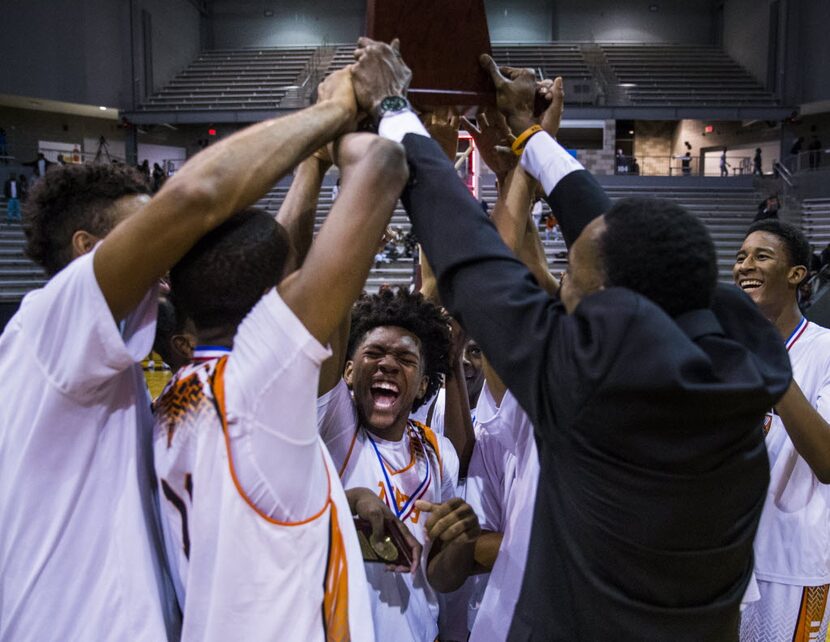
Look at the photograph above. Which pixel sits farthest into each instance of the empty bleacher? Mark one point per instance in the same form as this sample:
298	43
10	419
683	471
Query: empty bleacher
815	221
679	74
234	79
638	74
18	275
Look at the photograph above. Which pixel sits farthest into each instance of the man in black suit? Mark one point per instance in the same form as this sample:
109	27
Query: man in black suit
646	384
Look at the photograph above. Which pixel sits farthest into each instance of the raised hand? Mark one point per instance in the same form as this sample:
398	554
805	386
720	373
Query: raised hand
492	138
442	125
338	87
366	504
515	93
553	92
379	72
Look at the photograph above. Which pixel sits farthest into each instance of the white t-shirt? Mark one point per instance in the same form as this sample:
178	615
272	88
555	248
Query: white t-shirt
422	465
501	487
793	541
80	545
431	412
257	526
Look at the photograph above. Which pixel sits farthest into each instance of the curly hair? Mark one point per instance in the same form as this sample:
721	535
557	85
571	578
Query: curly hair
662	251
71	198
411	312
224	275
795	243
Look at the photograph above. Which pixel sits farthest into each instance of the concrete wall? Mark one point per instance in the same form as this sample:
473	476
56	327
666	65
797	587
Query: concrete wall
633	21
24	128
519	20
79	50
813	46
746	28
243	23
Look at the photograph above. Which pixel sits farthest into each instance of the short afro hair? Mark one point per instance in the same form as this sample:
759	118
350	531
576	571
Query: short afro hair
660	250
415	314
224	275
795	243
72	198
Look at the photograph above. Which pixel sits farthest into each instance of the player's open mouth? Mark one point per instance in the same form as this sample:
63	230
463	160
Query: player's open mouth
750	284
384	394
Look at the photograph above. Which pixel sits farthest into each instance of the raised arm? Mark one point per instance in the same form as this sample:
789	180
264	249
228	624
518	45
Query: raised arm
518	319
299	208
221	180
335	270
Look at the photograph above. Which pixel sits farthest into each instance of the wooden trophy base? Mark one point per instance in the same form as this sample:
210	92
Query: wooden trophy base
441	41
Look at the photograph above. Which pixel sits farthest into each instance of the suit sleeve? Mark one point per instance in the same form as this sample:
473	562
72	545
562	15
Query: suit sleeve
481	282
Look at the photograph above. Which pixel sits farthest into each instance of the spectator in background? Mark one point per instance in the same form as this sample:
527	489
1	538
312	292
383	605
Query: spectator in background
12	192
144	168
158	177
768	208
536	212
757	163
40	165
3	151
686	163
635	167
795	150
724	165
815	152
622	162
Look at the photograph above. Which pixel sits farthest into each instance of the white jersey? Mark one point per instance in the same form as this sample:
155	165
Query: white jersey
422	465
501	487
257	526
793	541
431	412
81	556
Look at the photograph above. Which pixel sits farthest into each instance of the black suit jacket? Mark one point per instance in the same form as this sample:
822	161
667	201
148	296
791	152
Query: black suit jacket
653	465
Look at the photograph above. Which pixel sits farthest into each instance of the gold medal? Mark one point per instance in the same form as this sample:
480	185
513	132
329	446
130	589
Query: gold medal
384	548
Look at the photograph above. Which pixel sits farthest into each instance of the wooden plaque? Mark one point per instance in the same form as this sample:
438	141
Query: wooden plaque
441	41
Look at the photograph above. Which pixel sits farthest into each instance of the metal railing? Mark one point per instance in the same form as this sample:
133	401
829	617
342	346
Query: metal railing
679	165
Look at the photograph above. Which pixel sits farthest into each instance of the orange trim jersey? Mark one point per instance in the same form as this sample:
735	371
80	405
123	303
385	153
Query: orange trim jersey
257	528
422	465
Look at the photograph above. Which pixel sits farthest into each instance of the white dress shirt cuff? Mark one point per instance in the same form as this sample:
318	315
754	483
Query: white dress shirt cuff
547	161
396	125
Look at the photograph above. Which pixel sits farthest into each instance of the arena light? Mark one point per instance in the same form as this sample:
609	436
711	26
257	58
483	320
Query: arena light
211	132
708	129
102	108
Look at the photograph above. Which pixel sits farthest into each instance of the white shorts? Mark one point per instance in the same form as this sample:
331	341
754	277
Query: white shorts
786	613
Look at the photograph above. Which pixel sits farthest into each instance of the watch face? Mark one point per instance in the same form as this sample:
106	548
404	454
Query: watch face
393	103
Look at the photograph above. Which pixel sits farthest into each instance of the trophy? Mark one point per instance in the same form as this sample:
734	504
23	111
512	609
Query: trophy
441	42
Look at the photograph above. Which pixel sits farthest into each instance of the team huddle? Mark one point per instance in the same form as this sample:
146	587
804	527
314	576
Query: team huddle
632	451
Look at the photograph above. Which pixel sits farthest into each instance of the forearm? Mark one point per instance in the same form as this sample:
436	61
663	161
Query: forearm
458	425
808	431
299	208
244	166
486	551
510	213
532	254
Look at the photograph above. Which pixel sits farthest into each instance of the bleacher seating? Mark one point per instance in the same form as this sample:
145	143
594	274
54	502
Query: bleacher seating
646	74
727	212
18	275
815	221
234	79
679	74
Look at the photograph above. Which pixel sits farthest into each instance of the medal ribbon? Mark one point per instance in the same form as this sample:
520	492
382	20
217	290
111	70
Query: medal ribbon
796	334
206	353
404	512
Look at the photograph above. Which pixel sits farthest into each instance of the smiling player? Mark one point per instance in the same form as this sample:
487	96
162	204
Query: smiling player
792	547
397	352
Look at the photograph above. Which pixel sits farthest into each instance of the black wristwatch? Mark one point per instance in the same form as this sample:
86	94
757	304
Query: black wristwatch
390	105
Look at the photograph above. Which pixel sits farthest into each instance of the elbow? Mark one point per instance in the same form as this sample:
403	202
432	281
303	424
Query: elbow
194	198
390	159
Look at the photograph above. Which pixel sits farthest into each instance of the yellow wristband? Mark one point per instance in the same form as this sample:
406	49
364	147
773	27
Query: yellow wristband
519	144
